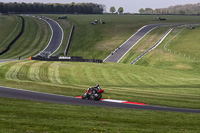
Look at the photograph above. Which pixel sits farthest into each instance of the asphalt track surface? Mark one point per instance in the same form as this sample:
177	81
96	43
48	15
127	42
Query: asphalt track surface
118	54
5	60
56	38
53	98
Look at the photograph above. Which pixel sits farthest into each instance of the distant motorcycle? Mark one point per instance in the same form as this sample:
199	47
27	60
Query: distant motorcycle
93	93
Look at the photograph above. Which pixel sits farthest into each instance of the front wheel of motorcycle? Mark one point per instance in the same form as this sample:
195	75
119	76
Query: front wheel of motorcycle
84	96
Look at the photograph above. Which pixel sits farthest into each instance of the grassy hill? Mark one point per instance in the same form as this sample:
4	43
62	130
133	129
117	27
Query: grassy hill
162	85
34	39
123	82
180	54
98	41
160	78
10	26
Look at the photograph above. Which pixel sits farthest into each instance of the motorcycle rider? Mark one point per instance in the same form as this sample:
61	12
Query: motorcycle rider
96	88
93	93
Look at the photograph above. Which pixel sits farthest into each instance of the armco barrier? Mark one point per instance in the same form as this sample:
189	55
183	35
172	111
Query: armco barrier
69	41
16	38
71	59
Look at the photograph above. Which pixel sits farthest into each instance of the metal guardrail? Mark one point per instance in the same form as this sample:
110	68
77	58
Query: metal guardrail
69	41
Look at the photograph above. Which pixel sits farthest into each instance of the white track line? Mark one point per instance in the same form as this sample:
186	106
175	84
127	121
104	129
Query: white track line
62	35
136	43
153	47
50	38
126	41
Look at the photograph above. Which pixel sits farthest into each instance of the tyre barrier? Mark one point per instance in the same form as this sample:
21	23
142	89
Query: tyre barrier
16	38
70	59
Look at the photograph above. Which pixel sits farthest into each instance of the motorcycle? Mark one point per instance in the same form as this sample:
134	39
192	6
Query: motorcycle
93	93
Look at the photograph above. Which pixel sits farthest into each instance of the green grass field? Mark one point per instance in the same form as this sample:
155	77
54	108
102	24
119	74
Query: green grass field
27	117
10	26
163	77
181	53
98	41
34	39
123	82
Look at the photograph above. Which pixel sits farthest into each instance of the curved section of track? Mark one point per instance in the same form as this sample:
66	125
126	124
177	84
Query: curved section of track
56	38
52	98
119	53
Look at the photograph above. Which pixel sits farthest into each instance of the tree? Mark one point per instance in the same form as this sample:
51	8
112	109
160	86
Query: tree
112	9
148	11
141	11
121	10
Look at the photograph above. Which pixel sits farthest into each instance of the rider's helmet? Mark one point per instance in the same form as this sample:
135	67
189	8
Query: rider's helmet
97	85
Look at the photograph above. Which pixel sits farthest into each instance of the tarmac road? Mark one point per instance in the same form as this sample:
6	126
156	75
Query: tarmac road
56	38
120	52
5	60
52	98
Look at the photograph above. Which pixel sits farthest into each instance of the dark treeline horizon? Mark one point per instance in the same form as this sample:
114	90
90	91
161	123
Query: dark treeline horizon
80	8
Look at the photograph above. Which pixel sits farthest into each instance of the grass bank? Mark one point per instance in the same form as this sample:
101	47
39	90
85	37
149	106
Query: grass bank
10	27
98	41
180	54
147	42
34	39
57	118
135	83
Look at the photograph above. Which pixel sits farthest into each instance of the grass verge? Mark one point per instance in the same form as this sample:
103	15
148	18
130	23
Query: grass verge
34	39
46	117
136	83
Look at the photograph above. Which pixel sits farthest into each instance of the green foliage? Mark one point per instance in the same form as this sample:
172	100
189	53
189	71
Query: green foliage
141	11
148	11
120	10
112	9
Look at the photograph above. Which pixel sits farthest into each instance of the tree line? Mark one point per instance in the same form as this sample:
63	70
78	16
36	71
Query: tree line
178	9
80	8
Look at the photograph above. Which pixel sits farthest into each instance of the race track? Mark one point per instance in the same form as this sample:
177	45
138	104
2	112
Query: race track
120	52
53	98
56	38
